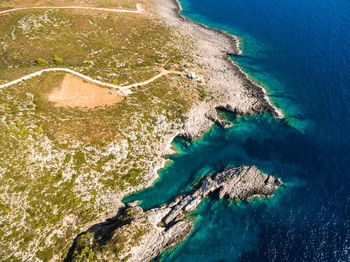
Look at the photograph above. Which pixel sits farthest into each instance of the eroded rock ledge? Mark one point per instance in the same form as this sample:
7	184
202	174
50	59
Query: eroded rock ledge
140	235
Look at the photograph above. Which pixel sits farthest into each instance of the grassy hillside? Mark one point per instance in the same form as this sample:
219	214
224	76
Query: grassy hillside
63	169
117	48
95	3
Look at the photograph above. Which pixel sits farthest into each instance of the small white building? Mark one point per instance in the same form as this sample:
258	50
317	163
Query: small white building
192	75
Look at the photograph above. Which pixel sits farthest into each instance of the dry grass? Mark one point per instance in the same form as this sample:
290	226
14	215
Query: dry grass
53	185
126	48
91	3
48	174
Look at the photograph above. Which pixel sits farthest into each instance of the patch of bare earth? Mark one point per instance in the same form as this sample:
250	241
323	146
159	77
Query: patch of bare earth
141	7
75	92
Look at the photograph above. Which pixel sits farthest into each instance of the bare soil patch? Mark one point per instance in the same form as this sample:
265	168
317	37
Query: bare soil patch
75	92
141	7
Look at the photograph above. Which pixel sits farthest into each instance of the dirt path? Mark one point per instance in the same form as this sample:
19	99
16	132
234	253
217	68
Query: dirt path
139	9
163	72
124	89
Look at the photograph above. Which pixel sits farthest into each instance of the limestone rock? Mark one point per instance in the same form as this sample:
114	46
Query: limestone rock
141	236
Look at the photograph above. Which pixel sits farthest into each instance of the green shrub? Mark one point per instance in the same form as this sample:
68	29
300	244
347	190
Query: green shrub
58	60
79	158
91	256
131	176
158	60
45	255
40	62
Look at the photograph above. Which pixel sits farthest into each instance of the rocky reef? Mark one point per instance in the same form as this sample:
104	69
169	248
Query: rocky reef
138	235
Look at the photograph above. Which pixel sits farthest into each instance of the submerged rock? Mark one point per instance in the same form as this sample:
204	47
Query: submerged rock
141	236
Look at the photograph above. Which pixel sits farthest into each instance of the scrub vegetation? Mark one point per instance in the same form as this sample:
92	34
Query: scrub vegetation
110	47
125	4
63	169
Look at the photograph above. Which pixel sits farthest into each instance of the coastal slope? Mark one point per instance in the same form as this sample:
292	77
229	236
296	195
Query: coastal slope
71	147
229	86
136	235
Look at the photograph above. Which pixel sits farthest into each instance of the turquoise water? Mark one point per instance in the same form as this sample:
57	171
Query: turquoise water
299	50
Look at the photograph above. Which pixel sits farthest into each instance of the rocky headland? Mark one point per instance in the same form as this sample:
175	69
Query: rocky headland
137	235
140	235
67	167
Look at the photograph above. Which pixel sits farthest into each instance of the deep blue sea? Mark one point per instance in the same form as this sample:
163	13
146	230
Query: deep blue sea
300	51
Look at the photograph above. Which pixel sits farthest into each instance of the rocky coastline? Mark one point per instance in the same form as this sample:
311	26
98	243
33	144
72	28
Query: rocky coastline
230	87
138	235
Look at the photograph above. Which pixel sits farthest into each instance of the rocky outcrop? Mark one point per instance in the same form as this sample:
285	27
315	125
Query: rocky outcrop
238	183
141	236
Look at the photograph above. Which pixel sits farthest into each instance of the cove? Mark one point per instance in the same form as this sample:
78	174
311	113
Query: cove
299	50
215	151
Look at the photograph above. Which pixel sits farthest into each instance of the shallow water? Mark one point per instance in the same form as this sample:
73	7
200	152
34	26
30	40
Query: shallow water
300	50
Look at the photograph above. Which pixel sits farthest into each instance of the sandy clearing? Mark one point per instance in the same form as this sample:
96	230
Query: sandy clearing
75	92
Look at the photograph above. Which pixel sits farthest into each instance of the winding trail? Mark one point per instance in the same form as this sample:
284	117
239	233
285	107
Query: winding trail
124	89
139	9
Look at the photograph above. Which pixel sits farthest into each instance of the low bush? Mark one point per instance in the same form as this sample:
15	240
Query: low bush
40	62
58	60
